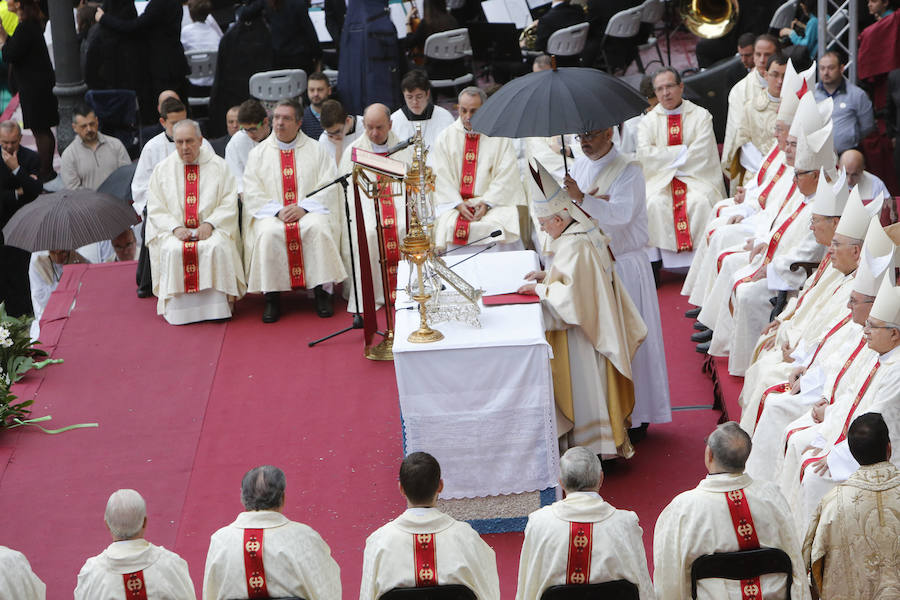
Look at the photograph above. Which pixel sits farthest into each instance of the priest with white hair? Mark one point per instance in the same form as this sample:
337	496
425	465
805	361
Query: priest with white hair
263	554
581	539
477	183
727	512
132	567
192	232
17	579
590	319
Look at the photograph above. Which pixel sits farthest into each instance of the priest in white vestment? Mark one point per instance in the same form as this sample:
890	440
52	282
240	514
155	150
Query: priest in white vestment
729	511
590	319
192	232
610	188
851	545
264	553
254	128
424	547
17	580
477	184
677	148
378	137
581	539
290	239
419	109
339	129
45	269
132	567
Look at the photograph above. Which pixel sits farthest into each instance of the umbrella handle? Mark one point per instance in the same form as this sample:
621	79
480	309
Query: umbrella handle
562	139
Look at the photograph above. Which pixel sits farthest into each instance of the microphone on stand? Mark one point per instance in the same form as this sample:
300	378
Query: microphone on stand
400	146
474	254
493	234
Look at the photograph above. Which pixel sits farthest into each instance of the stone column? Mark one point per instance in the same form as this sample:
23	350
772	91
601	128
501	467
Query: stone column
70	85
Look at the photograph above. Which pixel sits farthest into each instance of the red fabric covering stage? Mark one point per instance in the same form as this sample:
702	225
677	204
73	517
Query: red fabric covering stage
185	411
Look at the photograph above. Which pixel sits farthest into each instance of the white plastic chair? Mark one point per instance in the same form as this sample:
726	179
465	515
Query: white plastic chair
783	16
272	86
449	45
202	64
332	76
652	12
623	25
568	41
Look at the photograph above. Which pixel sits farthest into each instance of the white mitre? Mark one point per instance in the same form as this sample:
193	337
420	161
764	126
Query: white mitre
865	282
856	218
816	150
875	260
807	77
554	199
887	303
810	116
790	87
830	200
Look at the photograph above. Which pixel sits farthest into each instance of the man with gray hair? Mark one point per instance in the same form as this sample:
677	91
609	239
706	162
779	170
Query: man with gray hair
727	512
132	567
263	554
581	538
478	184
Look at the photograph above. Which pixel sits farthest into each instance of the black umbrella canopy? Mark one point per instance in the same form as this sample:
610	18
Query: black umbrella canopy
67	220
119	182
557	102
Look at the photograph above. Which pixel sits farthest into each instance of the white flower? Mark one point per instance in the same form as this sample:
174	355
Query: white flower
5	341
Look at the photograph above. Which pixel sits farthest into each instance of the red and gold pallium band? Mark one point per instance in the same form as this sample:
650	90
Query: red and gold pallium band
389	232
578	566
254	571
292	230
683	242
745	531
191	196
423	551
826	260
764	195
134	585
191	263
761	176
466	185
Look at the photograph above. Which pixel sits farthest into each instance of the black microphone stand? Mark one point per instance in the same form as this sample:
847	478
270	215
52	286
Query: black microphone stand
357	318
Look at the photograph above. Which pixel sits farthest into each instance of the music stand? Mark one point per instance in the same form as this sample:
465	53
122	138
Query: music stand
496	45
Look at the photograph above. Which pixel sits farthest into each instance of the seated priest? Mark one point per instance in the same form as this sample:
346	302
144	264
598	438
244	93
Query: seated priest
591	319
423	546
45	270
291	239
581	538
263	554
728	511
477	184
132	567
16	577
192	232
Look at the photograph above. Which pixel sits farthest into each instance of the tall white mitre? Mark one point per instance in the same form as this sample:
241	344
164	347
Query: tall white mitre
865	282
790	88
887	303
875	260
810	116
856	218
554	198
830	200
816	151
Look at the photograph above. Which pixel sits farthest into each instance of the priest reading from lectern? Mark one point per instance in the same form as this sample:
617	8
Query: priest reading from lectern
477	184
291	240
424	547
582	538
727	512
192	232
263	554
592	321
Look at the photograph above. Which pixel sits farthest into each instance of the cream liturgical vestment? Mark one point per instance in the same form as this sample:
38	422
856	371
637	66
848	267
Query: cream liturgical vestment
471	168
280	256
17	580
851	547
582	539
678	151
424	547
183	195
295	561
405	128
725	513
129	566
744	91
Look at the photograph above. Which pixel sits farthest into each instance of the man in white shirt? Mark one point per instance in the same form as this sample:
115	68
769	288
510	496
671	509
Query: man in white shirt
419	109
132	567
254	128
263	554
339	130
582	538
424	547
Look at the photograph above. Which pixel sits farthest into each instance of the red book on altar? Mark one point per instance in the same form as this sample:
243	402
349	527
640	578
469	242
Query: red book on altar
504	299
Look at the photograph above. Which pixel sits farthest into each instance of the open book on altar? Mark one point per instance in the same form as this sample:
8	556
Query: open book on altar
378	163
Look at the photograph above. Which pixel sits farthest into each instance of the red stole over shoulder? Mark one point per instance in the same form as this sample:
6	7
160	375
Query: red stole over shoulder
424	559
578	565
135	589
254	571
745	531
683	242
189	255
761	176
292	241
466	185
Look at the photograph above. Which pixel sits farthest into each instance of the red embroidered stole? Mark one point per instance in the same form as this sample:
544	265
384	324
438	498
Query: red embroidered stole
761	176
423	559
466	185
683	242
254	571
745	531
189	256
843	371
822	266
764	195
135	589
391	250
784	203
292	230
578	565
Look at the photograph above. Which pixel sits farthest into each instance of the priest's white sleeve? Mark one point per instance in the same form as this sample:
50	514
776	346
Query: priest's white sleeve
619	209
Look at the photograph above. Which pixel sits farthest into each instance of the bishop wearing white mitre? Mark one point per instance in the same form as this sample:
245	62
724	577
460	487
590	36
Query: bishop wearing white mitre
192	232
477	184
677	149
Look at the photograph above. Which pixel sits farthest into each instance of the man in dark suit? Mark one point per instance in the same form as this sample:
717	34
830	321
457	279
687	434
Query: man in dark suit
19	185
562	14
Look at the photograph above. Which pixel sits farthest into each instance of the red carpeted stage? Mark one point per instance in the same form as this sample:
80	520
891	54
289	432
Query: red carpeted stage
185	411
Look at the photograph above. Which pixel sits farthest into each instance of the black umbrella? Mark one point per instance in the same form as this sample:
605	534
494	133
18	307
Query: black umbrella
119	182
557	102
67	220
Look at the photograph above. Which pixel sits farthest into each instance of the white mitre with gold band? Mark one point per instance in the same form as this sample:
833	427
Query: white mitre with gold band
887	303
830	200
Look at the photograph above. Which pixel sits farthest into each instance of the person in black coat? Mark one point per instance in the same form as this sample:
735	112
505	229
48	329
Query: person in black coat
561	15
892	115
159	28
19	185
112	59
31	75
294	39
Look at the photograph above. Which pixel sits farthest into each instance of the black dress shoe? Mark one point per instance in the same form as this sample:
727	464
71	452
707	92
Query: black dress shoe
693	313
144	293
700	326
703	348
324	302
702	336
272	312
637	434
